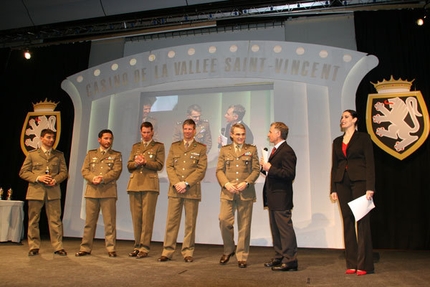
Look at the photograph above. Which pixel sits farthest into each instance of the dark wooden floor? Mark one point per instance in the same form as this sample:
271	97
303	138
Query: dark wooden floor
317	267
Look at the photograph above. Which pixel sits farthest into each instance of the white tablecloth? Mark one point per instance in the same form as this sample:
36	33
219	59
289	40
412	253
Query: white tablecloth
11	220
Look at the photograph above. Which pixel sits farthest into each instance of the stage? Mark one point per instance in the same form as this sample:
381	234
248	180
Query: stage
317	267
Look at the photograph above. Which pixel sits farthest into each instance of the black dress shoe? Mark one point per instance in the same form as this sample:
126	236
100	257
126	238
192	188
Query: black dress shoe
225	258
33	252
285	267
134	253
163	259
241	264
82	253
61	252
273	262
112	254
141	254
188	259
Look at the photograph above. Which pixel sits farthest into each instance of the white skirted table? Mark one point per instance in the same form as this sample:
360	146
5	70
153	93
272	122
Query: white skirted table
11	220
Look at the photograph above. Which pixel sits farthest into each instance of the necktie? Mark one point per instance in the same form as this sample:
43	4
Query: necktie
103	152
187	145
145	144
273	151
238	148
47	153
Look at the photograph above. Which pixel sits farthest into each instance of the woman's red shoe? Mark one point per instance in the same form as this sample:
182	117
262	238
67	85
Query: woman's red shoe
350	271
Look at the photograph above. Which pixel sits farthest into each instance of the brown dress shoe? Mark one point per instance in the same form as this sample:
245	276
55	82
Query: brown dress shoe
241	264
112	254
188	259
163	259
134	253
82	253
33	252
141	254
61	252
225	258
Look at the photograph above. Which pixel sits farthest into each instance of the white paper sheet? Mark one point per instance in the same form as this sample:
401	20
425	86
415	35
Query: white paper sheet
361	206
264	154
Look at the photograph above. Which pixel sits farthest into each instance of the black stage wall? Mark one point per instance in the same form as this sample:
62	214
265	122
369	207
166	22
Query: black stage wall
402	217
24	82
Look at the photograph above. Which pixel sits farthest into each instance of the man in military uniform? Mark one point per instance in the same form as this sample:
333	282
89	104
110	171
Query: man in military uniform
237	170
186	166
147	116
101	169
44	169
203	131
146	159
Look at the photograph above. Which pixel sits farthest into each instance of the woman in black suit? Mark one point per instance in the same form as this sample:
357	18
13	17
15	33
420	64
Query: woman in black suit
352	176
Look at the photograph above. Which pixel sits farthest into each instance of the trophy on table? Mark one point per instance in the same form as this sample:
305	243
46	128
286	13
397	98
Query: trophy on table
9	194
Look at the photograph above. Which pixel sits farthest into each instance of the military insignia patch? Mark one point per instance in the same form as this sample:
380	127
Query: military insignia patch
42	117
397	119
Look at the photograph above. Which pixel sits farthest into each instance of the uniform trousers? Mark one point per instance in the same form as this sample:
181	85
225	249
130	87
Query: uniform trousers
358	245
174	213
53	213
93	207
226	224
142	207
283	235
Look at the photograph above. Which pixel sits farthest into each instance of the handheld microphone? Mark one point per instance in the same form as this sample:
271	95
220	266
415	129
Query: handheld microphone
222	132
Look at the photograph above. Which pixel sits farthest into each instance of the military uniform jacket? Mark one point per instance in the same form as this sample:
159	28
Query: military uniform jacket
145	177
35	165
186	165
203	133
237	168
109	166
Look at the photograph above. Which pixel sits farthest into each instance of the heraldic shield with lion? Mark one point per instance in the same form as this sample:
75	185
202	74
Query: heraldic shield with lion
397	119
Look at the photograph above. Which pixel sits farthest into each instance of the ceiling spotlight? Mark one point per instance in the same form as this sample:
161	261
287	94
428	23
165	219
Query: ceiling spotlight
420	21
27	55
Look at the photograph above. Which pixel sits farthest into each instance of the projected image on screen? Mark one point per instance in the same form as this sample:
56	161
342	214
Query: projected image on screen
214	111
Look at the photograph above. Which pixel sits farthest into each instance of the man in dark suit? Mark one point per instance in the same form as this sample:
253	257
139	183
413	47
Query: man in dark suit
280	171
234	115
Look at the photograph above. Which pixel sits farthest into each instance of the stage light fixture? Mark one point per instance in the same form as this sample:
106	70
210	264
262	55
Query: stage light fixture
420	21
27	54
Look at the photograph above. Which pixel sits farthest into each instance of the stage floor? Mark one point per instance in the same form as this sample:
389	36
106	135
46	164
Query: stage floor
317	267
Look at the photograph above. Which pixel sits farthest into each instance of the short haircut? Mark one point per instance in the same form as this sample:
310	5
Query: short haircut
189	122
194	107
46	131
237	125
146	125
105	131
283	128
239	110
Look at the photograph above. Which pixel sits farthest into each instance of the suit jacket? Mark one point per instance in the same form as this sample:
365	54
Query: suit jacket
358	160
278	186
238	168
186	165
145	178
109	166
203	133
35	165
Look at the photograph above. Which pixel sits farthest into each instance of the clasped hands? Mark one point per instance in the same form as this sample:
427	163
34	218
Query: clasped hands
139	160
181	187
97	179
235	188
47	179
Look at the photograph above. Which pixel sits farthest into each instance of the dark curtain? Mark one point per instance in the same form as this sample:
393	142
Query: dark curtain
24	82
401	219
